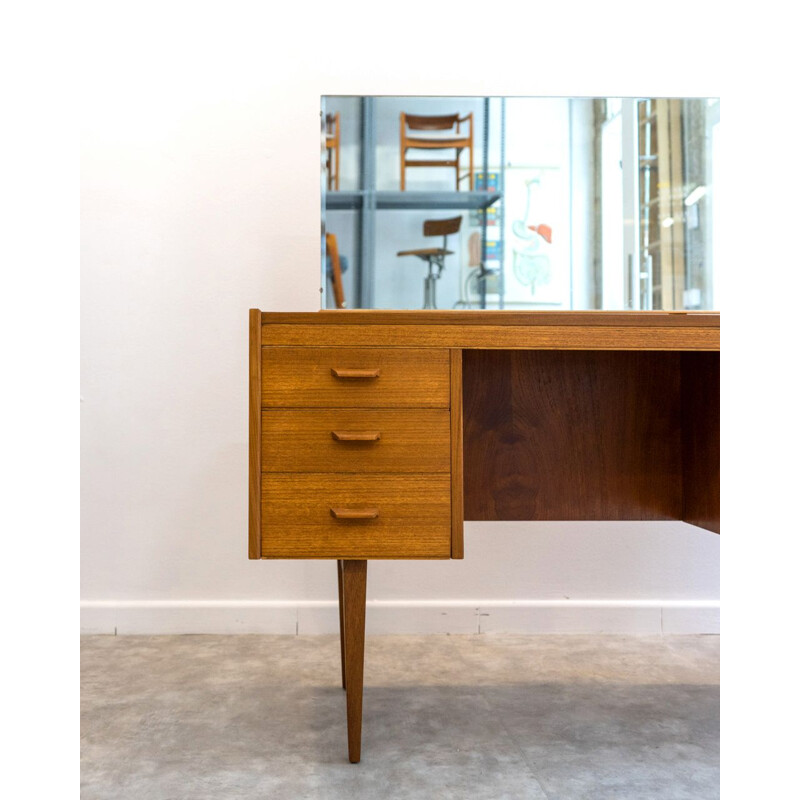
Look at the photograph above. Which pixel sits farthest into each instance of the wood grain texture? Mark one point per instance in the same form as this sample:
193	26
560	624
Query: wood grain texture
341	621
572	435
413	516
441	227
354	594
456	459
332	249
700	391
254	416
497	319
504	337
302	377
357	512
302	440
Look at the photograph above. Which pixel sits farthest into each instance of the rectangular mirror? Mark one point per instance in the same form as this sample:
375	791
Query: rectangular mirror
518	202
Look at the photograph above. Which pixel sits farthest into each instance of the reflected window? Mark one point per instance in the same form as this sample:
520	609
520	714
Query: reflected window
565	203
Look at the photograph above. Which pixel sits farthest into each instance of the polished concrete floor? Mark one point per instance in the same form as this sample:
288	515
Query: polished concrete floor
462	717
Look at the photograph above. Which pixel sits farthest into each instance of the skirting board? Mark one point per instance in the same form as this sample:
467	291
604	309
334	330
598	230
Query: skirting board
652	617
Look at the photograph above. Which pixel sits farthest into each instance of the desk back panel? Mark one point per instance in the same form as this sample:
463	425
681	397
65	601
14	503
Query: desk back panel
700	405
572	435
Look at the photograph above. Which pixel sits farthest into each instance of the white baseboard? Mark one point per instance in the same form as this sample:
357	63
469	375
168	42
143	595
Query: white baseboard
651	617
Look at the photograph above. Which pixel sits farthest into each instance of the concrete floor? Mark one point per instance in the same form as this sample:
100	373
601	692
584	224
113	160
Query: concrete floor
463	717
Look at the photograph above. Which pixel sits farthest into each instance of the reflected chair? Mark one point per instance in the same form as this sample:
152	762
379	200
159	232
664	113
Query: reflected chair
334	269
434	256
425	133
332	149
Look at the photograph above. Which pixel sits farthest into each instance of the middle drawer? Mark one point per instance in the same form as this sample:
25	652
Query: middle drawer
355	440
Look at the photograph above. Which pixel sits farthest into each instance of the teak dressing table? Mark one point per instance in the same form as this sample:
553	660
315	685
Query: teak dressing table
375	434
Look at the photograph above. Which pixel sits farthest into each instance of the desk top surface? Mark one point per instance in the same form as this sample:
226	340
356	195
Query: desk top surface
660	319
570	330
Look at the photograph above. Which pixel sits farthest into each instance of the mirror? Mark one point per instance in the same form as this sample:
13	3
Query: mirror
518	202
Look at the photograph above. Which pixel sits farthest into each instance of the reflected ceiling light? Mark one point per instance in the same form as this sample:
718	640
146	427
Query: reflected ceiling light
668	222
695	195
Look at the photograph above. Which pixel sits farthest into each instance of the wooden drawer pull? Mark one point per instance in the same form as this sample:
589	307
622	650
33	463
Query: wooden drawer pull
354	513
338	372
356	436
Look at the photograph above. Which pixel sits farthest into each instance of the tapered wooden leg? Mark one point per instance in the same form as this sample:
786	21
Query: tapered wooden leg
354	593
341	619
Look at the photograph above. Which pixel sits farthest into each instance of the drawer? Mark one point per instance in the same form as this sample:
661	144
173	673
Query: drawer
355	440
355	516
347	377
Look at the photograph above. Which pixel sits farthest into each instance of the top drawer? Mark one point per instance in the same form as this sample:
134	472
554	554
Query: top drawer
344	377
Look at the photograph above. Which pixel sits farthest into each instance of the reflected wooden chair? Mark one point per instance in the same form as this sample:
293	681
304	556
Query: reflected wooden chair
434	256
413	128
332	143
332	251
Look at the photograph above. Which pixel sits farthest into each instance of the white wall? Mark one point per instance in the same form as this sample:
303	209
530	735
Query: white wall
200	199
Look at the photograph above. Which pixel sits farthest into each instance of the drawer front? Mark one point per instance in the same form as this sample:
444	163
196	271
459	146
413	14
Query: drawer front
355	516
348	377
359	440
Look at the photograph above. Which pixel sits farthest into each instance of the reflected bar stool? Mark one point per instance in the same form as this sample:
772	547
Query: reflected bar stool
457	140
434	256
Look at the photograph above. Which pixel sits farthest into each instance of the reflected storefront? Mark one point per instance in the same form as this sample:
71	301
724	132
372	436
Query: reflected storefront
518	203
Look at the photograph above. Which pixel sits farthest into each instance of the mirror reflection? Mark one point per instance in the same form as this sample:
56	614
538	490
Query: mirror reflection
518	202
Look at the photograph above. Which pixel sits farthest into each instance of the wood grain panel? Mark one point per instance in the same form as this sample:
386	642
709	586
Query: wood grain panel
339	573
700	390
254	422
304	377
354	599
413	518
466	318
457	459
572	435
301	440
505	337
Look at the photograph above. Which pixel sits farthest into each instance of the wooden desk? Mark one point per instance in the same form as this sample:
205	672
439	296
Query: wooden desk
375	434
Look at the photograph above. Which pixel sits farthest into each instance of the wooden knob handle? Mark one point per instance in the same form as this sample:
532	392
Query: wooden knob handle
356	436
354	513
339	372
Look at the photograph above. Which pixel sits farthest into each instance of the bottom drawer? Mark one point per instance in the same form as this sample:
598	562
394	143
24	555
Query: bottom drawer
355	516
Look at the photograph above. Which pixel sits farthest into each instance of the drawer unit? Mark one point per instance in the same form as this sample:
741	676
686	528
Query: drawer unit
354	451
350	377
356	516
355	440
